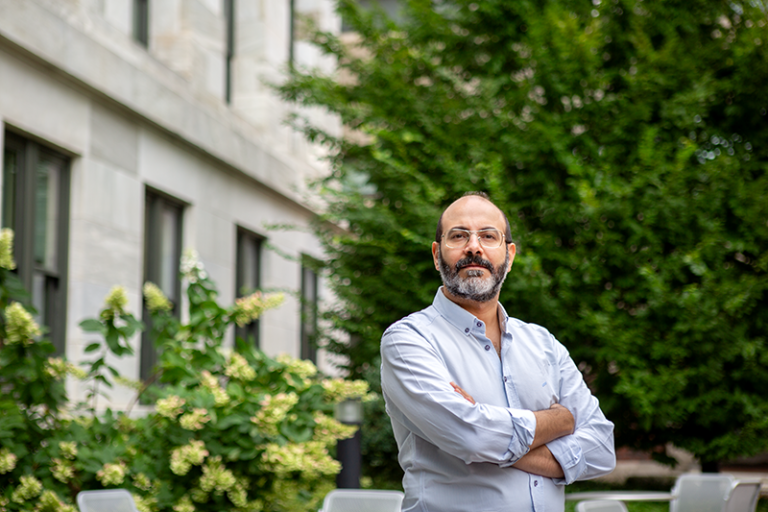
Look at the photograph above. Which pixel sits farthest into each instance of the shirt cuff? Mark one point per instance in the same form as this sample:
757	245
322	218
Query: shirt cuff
567	451
523	432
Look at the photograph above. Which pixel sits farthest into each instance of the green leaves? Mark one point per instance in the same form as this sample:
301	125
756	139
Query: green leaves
627	143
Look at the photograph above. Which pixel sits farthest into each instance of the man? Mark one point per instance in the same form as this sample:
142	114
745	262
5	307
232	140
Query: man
489	412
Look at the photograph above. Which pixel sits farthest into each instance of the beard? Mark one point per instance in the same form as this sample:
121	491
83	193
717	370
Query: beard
473	287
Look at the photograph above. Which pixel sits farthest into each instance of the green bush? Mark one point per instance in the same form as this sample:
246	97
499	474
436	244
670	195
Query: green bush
230	430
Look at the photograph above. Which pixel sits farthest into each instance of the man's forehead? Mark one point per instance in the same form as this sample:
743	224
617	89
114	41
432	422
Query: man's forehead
472	209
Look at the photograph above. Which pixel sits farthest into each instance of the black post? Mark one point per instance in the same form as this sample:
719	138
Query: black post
348	453
349	412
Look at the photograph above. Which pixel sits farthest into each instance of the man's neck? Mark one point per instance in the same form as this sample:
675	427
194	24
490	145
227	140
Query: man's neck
487	311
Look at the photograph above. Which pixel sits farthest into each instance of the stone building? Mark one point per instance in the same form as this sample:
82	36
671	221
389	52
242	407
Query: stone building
132	129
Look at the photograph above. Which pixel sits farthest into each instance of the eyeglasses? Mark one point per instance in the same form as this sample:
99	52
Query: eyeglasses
490	238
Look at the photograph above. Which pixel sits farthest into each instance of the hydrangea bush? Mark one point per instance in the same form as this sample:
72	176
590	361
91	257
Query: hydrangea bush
230	429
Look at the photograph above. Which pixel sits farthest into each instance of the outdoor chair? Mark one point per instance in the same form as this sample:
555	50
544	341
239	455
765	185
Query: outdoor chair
107	500
697	492
743	497
601	506
362	500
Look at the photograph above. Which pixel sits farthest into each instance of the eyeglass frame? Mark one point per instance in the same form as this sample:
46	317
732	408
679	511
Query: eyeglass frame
476	233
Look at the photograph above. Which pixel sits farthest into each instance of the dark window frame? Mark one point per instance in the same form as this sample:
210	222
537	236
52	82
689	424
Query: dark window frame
141	22
229	40
244	236
309	311
155	202
29	153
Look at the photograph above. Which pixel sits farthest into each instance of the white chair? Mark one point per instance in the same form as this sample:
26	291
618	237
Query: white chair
743	497
701	492
362	500
601	506
106	500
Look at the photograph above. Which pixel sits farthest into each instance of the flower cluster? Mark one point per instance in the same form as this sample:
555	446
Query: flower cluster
328	430
211	383
28	488
62	470
155	298
111	473
141	481
20	327
299	367
7	461
6	249
184	505
194	420
249	308
184	457
50	502
58	368
216	478
145	503
338	390
115	303
273	411
170	407
238	368
191	266
68	449
311	459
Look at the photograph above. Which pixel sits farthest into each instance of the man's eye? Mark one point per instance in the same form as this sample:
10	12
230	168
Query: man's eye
491	237
457	236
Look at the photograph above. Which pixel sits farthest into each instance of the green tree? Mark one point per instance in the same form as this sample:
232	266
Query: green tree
625	139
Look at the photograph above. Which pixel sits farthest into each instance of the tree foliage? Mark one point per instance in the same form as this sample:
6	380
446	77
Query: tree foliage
625	139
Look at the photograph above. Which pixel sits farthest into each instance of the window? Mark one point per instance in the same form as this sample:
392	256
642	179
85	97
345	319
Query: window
36	207
141	22
248	278
390	7
162	257
308	311
229	14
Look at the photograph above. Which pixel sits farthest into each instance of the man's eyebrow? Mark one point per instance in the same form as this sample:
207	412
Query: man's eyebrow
462	227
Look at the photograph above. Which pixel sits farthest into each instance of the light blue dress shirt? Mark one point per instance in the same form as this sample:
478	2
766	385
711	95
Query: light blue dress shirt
458	456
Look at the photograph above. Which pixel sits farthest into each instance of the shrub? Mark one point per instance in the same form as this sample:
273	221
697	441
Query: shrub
230	430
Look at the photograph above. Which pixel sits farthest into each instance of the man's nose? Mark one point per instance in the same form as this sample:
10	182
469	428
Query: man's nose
473	244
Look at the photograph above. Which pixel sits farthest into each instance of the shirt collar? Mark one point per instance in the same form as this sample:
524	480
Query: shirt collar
459	317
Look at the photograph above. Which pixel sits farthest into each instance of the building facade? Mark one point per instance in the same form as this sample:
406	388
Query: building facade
133	129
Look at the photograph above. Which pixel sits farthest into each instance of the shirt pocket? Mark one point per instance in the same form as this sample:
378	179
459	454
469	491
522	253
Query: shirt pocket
533	380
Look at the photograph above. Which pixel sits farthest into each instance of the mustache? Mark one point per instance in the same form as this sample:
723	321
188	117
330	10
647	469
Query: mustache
473	260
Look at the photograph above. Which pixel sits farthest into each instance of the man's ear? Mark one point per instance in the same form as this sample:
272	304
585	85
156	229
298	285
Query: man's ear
436	255
512	252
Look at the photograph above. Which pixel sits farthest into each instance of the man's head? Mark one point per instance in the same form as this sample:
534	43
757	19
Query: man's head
474	270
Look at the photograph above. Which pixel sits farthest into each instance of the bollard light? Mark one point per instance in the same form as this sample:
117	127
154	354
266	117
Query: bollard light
349	412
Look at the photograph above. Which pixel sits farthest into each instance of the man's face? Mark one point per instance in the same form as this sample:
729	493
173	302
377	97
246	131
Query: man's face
473	272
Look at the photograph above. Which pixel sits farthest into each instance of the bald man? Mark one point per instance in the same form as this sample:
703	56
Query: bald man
489	412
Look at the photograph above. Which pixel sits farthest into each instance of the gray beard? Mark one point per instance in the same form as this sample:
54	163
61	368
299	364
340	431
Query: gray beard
473	287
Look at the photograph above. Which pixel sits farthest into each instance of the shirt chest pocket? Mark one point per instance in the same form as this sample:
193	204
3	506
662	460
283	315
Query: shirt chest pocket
532	379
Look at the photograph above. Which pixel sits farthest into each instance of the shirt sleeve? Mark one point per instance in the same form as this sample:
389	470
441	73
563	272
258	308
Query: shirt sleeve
417	389
588	452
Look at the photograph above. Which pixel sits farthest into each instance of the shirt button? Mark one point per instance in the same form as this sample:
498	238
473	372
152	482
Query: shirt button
479	324
466	330
505	378
487	347
535	483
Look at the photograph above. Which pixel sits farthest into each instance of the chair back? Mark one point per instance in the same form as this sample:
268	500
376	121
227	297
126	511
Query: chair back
701	492
743	497
106	500
601	506
362	500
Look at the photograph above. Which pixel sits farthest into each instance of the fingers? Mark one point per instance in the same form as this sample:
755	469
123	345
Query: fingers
463	393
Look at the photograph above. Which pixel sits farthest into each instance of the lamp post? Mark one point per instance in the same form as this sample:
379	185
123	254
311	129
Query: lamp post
349	412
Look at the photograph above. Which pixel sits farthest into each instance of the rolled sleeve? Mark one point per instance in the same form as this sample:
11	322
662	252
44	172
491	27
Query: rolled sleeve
523	432
567	451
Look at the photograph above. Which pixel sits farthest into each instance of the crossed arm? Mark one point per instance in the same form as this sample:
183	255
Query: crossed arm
551	424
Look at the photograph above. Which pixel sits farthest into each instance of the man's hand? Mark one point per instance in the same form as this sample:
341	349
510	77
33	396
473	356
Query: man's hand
463	393
540	461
